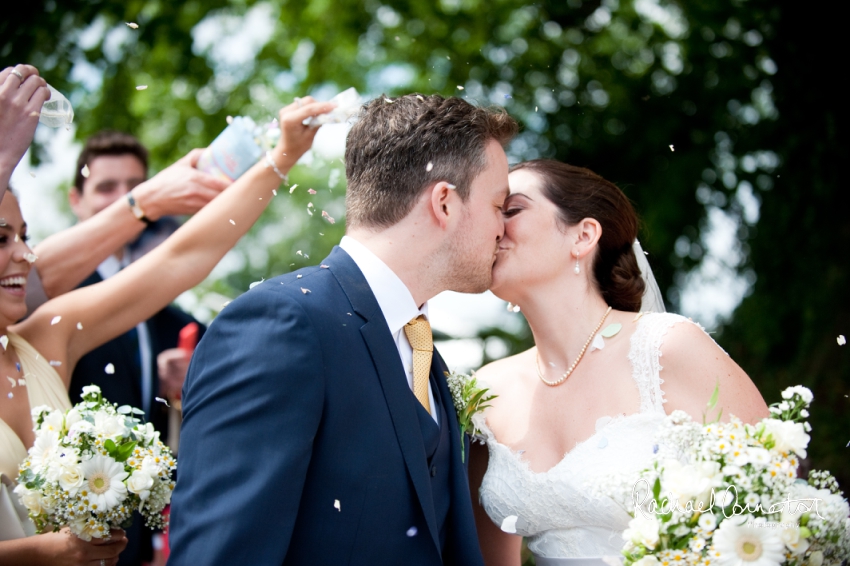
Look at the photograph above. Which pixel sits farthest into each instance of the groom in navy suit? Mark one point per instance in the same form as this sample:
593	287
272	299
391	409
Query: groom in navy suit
318	427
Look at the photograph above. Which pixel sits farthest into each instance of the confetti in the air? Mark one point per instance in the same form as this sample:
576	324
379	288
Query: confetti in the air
337	506
459	87
388	101
110	369
132	25
411	532
299	276
255	283
509	524
85	171
452	187
328	217
429	166
79	326
30	257
55	320
513	308
311	191
841	340
142	87
305	291
293	187
419	96
12	381
4	341
299	253
274	192
672	148
233	222
55	363
323	266
229	119
161	400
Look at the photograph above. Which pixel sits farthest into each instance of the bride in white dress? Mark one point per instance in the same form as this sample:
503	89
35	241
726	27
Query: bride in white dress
587	399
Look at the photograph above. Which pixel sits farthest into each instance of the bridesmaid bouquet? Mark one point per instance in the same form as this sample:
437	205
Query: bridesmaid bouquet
92	466
728	494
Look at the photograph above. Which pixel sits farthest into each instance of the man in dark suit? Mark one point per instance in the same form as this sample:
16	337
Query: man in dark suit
318	426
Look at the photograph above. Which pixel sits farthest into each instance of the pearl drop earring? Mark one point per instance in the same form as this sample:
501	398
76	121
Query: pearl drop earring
577	269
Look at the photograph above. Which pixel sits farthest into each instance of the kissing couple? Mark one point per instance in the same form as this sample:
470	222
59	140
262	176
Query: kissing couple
318	425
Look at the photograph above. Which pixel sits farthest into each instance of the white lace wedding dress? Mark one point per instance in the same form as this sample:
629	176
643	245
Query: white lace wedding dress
562	520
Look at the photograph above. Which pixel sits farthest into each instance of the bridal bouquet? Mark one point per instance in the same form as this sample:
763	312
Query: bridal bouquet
92	466
728	494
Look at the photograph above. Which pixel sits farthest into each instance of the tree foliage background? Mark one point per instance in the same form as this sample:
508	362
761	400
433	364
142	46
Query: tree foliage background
703	111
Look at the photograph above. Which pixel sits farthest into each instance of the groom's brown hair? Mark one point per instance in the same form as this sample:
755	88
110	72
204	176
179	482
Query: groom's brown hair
400	146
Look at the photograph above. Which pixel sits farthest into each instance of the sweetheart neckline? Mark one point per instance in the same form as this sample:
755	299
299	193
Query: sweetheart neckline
524	464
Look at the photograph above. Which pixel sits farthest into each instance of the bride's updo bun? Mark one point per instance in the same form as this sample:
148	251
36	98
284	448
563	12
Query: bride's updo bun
580	193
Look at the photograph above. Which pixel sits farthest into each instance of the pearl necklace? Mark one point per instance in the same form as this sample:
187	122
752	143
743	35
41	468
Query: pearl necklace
578	359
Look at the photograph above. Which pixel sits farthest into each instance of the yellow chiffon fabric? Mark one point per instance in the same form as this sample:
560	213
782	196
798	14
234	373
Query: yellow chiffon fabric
44	387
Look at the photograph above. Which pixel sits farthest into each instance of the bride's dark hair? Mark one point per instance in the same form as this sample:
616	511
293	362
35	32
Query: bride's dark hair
580	193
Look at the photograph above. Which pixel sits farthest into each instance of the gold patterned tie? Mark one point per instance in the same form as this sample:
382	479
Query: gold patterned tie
418	333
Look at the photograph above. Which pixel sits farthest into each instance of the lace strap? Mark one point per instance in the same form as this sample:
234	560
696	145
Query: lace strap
645	355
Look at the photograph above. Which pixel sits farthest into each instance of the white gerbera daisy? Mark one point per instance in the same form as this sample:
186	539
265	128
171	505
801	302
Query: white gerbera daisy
104	480
44	451
741	545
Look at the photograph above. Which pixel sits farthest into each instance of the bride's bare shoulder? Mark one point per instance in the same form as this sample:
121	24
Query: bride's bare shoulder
506	369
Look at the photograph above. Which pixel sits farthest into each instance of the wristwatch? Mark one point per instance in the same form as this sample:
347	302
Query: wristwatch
137	210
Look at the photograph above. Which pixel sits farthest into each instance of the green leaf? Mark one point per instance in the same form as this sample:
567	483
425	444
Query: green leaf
656	489
125	451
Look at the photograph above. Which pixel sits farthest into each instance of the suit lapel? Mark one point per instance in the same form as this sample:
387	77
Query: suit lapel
390	372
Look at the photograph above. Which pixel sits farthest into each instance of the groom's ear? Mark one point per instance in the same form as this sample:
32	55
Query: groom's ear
444	203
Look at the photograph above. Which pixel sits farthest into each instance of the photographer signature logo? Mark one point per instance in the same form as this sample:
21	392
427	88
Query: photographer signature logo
726	501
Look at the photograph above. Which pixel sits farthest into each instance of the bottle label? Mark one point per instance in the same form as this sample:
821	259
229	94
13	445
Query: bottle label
233	152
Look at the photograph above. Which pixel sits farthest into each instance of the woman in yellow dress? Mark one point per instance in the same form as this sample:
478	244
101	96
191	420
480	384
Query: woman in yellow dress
42	350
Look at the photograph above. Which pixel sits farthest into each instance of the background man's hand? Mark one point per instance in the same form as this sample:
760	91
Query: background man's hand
172	365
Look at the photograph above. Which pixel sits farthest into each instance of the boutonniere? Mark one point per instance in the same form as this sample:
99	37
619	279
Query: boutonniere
469	399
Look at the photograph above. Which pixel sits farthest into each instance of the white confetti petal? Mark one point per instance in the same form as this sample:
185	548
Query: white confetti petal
419	96
411	532
55	363
229	119
274	192
30	257
299	276
323	266
132	25
110	369
513	308
337	506
79	326
452	187
459	87
161	400
4	341
255	283
672	148
85	171
55	320
509	524
12	381
22	382
328	217
305	291
299	253
429	166
31	173
311	191
142	87
233	222
293	187
841	340
598	343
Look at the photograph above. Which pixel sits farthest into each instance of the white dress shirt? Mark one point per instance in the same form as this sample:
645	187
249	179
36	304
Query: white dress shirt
395	300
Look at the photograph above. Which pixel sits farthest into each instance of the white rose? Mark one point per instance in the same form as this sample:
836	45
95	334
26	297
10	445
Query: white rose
73	417
793	541
71	478
693	481
30	498
109	426
816	558
788	436
648	560
140	483
643	530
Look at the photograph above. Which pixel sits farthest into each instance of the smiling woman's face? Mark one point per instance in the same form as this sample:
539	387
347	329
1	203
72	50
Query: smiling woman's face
536	247
14	267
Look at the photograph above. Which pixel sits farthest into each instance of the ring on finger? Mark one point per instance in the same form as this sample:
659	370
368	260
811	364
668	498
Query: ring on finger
18	74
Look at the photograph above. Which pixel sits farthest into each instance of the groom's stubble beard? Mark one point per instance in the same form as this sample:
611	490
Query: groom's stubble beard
468	266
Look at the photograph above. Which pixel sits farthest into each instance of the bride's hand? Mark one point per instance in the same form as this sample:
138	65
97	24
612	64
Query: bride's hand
295	137
63	548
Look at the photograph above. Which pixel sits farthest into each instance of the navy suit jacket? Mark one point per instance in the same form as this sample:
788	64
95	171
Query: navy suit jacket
300	441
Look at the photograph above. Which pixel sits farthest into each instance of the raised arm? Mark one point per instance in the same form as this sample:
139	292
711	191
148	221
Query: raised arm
112	307
22	92
176	190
